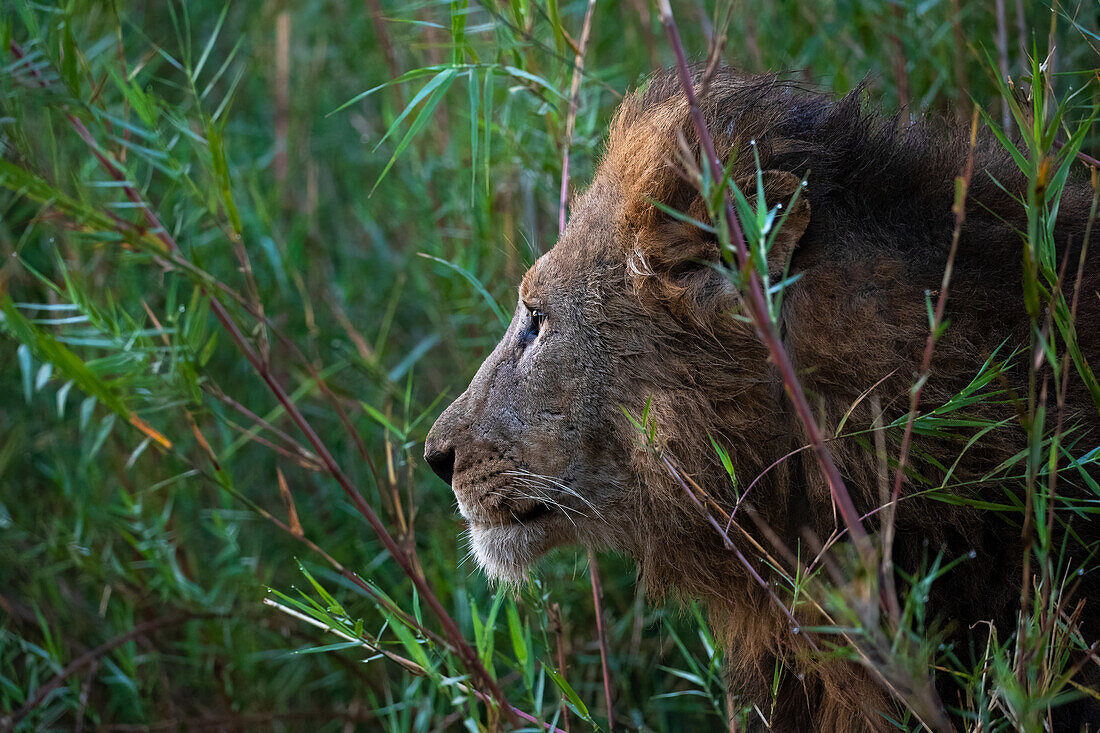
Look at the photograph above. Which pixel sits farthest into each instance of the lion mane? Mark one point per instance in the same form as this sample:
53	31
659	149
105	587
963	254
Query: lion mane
880	193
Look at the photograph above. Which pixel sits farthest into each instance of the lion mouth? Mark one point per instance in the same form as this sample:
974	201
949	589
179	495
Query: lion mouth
534	513
529	515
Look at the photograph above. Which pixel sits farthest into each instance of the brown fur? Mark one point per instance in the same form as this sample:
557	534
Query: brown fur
540	454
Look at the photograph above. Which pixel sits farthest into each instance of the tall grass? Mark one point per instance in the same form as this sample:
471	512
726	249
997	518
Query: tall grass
249	251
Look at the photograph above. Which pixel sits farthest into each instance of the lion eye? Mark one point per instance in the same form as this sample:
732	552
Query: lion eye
537	317
534	323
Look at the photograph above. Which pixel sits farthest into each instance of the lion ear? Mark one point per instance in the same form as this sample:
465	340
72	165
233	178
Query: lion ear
676	262
784	190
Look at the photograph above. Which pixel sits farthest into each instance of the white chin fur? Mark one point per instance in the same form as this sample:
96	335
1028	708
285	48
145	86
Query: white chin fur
506	553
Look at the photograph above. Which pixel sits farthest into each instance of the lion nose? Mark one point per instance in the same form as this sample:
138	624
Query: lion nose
441	461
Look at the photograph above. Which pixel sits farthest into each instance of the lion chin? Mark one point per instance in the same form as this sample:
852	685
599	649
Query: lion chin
506	552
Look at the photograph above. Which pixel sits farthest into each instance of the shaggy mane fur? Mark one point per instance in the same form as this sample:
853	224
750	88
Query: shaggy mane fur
880	195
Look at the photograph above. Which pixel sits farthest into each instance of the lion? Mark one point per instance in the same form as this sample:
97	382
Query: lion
592	421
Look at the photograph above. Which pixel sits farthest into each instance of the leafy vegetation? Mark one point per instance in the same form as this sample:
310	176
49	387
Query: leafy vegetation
249	252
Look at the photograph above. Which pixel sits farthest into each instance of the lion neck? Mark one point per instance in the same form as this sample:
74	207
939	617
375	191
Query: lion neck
709	391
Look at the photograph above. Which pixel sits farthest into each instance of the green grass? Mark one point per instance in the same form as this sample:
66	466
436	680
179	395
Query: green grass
371	179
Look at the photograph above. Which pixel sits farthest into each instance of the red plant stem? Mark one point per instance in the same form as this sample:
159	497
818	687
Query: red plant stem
1088	159
601	634
923	374
297	534
93	655
18	53
454	635
407	664
796	451
571	120
758	307
351	576
735	549
462	647
563	207
1085	158
558	627
450	628
517	712
296	450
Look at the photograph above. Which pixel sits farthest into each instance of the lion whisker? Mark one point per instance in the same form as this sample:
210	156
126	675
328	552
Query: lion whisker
546	499
539	498
549	482
468	538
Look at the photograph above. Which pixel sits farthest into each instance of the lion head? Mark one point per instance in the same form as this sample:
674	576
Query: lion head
630	402
629	371
624	321
535	448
